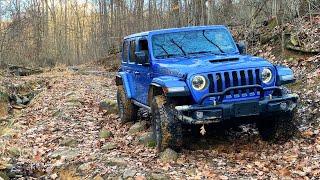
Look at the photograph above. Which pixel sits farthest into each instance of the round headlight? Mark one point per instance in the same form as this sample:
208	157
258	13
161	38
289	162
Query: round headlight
266	75
199	82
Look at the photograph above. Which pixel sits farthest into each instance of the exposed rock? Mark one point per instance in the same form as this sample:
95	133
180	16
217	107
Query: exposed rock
105	134
71	93
113	177
14	151
69	142
85	167
109	146
169	155
18	100
116	162
73	68
25	100
129	173
158	176
57	113
74	101
137	127
147	139
67	153
109	106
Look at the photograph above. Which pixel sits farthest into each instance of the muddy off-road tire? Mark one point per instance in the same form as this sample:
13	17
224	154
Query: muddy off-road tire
166	128
127	110
279	128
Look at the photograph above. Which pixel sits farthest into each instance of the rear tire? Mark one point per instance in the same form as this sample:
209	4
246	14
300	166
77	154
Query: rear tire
127	110
167	129
277	129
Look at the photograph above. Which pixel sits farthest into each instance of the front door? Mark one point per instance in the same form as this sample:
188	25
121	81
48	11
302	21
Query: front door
143	74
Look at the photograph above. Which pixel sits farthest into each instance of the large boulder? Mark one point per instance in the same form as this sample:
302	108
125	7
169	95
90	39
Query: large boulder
108	146
119	161
109	106
147	139
168	155
105	134
137	127
158	176
67	153
69	142
129	173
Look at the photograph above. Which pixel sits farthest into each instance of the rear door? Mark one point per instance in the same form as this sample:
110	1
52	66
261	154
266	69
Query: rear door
129	49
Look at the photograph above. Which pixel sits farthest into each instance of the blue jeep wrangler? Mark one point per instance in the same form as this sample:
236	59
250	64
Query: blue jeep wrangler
200	76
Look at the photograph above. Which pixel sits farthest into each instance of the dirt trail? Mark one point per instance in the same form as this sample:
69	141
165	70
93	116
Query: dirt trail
64	133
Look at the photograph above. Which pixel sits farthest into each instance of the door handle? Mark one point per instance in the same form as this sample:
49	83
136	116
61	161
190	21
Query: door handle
137	73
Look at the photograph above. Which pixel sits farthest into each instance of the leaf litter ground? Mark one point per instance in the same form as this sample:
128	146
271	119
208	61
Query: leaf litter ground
59	135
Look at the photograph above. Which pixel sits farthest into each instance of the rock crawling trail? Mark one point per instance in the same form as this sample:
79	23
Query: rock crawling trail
65	133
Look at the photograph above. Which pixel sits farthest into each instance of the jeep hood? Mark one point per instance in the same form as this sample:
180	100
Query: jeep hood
188	66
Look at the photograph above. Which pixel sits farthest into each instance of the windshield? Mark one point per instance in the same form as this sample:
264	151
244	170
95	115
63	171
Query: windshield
188	43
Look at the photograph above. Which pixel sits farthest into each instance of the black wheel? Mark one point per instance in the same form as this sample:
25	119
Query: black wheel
167	129
280	128
127	110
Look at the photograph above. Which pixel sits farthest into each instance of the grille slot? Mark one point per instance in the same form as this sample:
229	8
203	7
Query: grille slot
218	82
211	84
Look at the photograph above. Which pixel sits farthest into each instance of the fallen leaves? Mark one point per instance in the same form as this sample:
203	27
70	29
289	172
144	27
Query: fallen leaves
66	133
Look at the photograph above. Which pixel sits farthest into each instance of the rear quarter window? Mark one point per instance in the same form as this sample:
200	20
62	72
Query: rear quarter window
125	51
132	54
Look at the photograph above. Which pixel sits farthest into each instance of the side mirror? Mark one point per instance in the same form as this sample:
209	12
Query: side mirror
242	47
142	58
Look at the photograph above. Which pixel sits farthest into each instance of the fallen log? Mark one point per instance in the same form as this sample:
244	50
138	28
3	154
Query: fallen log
23	71
302	49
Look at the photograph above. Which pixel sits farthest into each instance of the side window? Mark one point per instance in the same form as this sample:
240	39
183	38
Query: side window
132	51
125	51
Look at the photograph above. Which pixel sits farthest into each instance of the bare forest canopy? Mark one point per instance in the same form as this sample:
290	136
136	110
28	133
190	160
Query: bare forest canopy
50	32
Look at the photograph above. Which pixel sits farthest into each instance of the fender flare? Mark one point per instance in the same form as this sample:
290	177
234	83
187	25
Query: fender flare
284	75
123	79
169	82
162	85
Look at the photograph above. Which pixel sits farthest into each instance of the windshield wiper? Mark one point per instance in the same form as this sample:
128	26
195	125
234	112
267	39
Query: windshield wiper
203	33
164	49
180	47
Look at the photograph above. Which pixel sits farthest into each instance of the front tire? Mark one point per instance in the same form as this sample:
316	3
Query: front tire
127	110
279	128
166	128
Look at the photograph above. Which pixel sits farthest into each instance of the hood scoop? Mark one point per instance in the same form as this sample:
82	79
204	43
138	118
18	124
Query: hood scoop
224	60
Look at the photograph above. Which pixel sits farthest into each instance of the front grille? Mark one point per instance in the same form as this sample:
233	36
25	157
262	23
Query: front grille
220	81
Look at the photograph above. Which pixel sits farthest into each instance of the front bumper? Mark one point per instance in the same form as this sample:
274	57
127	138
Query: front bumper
219	111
